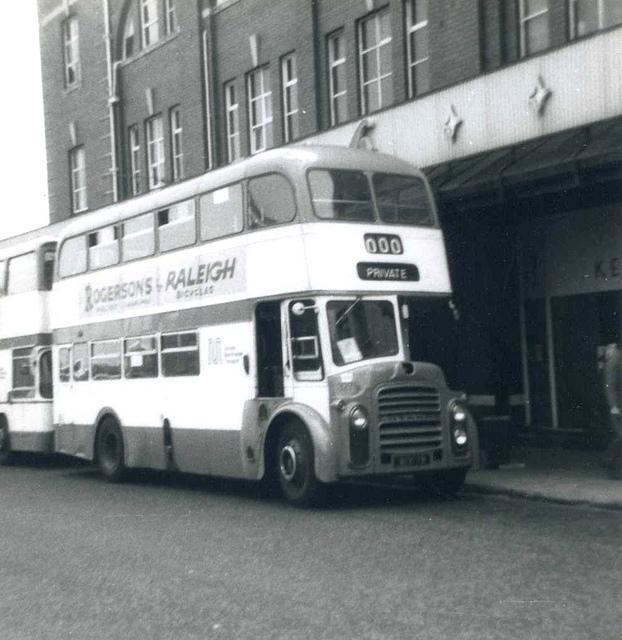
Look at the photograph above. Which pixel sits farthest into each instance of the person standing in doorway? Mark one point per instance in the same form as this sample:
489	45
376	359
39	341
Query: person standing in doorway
612	377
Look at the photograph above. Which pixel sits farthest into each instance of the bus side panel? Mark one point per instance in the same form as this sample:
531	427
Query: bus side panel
206	411
30	425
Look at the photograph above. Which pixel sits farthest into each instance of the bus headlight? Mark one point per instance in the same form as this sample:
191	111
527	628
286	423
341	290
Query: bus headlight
359	419
359	436
458	426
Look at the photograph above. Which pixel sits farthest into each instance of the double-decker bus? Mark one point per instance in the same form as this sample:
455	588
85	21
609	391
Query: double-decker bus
251	323
26	273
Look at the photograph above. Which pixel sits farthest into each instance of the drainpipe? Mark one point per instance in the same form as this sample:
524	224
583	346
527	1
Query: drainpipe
113	98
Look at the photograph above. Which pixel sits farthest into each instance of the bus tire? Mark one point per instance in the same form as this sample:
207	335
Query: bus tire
447	483
295	466
6	455
110	450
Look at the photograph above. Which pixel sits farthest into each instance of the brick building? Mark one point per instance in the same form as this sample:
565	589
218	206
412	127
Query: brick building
513	107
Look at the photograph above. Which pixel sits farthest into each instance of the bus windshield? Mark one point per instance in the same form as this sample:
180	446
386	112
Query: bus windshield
361	330
339	194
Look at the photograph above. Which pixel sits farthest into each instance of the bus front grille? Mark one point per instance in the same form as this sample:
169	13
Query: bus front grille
409	418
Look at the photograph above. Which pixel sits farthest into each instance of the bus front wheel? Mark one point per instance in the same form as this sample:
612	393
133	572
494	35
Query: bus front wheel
110	450
6	455
295	466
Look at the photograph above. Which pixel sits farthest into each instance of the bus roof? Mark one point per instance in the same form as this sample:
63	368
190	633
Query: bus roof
296	159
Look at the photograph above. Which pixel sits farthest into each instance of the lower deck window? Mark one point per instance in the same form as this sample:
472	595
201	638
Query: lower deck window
64	364
80	361
106	360
140	357
180	354
23	373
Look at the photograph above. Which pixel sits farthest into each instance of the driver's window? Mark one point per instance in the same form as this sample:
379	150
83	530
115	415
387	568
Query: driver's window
305	340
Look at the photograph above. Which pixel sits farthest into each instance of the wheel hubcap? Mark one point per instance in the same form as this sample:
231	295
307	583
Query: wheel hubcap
288	462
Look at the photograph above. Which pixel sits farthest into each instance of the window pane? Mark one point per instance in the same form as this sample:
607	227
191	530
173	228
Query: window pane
221	212
23	373
140	357
533	6
341	195
361	329
23	273
45	374
73	257
80	361
612	12
106	360
176	226
64	364
180	354
270	201
138	237
305	341
537	34
103	248
402	199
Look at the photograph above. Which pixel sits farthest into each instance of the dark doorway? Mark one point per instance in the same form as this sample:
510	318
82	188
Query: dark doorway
269	350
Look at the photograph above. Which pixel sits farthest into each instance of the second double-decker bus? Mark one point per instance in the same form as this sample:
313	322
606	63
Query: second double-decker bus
252	323
26	272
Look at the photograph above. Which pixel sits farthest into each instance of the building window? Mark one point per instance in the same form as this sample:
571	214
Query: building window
129	38
176	144
260	109
170	16
77	164
375	62
134	139
417	47
155	152
71	52
289	80
534	26
150	26
337	78
232	122
587	16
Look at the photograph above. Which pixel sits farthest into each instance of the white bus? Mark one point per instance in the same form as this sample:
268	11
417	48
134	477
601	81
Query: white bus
26	273
249	323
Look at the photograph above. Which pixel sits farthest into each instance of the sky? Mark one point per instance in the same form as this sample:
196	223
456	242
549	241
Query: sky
23	177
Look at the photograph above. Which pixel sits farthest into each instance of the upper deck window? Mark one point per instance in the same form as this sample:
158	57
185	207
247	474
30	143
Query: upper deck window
72	258
270	201
103	247
402	199
176	226
23	274
221	212
341	195
2	277
138	237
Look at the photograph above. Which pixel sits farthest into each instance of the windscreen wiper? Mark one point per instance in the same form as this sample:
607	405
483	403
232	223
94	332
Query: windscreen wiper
347	312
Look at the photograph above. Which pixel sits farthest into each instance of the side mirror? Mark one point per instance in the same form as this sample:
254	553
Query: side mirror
246	363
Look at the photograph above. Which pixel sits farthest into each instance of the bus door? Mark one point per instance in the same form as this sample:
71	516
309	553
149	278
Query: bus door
304	377
269	350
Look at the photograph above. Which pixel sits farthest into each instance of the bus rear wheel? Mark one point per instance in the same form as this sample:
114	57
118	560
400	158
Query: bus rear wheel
295	466
110	451
6	455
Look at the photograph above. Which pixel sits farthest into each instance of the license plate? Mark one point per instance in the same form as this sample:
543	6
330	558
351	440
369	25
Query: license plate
413	460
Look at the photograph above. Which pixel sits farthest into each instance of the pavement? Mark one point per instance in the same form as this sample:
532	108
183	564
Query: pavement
551	474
